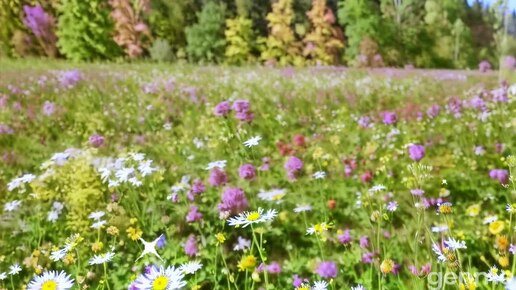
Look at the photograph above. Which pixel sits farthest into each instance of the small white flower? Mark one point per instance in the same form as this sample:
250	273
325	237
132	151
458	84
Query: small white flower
52	216
319	175
377	188
320	285
454	244
137	156
272	195
12	205
494	277
135	181
96	215
242	245
490	219
219	163
440	256
98	224
58	206
247	218
3	276
101	259
145	167
190	267
440	228
150	248
167	126
358	287
302	208
253	141
51	280
14	269
58	255
444	182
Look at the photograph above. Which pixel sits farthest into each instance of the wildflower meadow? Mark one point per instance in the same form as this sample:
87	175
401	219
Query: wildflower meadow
160	177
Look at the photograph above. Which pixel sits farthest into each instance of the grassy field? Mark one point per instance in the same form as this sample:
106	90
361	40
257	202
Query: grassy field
254	177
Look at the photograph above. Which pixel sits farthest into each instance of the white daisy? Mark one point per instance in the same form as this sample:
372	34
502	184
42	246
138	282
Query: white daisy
96	215
161	278
302	208
219	163
14	269
12	205
58	255
253	141
377	188
440	256
145	167
101	259
320	285
135	181
51	280
494	277
490	219
358	287
272	195
247	218
190	267
454	244
319	175
98	225
52	216
3	276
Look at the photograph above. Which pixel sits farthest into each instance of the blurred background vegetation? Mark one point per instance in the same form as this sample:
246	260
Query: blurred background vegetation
361	33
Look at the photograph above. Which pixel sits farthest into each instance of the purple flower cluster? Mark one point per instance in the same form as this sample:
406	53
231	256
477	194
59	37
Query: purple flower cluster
247	172
40	23
242	110
484	66
416	151
502	175
389	118
294	166
96	140
218	177
233	201
327	269
70	78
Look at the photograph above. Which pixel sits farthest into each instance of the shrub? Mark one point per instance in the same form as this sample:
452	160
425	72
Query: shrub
281	44
161	50
85	30
131	33
324	41
239	37
205	39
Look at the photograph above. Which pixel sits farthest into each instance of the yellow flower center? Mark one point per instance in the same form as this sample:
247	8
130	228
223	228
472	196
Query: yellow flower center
160	283
49	285
253	216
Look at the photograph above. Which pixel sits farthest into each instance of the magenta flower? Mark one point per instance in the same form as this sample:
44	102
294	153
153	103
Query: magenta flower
364	242
197	188
233	201
433	111
294	166
389	118
327	269
484	66
345	237
96	140
190	246
502	175
241	106
218	177
193	215
222	109
247	172
416	151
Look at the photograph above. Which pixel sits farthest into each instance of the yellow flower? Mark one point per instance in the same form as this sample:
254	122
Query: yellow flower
387	266
503	261
247	263
69	259
468	284
283	216
496	227
132	221
502	243
318	153
473	210
445	208
113	231
133	233
97	247
220	238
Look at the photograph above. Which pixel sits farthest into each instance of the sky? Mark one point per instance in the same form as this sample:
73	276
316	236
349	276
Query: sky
512	3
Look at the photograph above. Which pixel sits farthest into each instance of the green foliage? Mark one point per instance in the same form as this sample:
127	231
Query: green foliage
167	20
161	50
205	39
324	42
360	19
85	30
239	39
281	44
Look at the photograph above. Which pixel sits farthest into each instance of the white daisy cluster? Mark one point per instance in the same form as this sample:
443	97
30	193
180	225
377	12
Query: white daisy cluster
131	169
19	181
252	217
